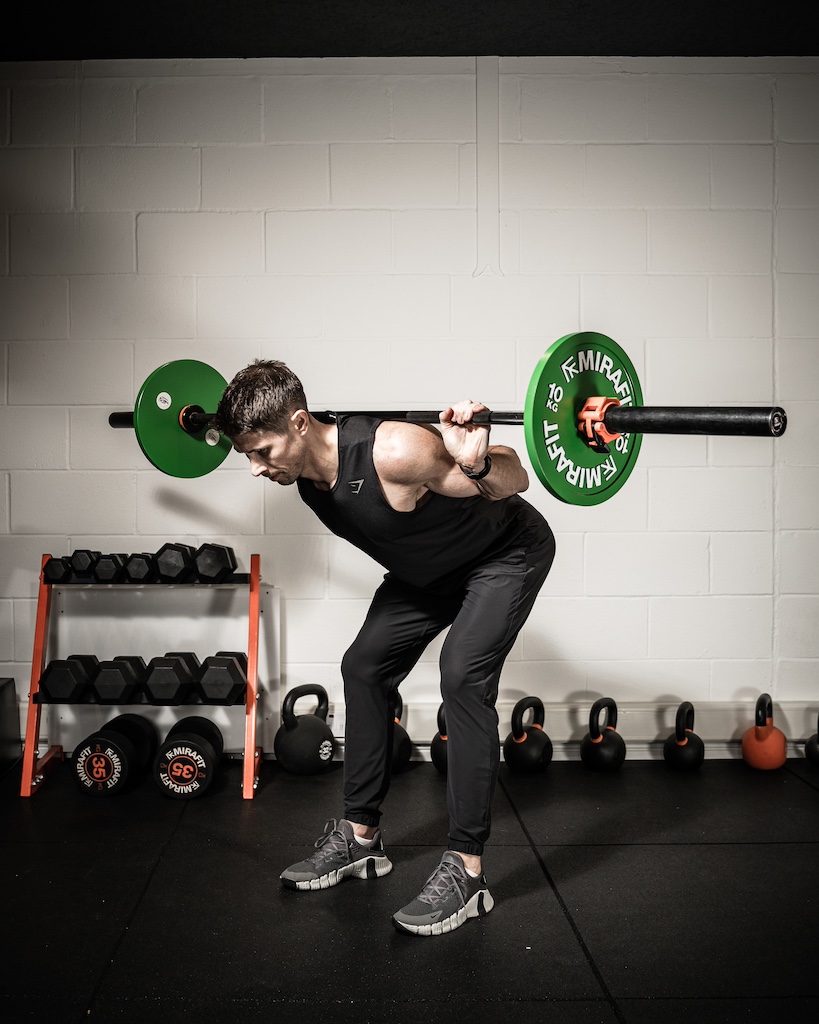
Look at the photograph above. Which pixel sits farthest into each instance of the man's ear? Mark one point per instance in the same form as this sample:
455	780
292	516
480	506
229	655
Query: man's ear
301	421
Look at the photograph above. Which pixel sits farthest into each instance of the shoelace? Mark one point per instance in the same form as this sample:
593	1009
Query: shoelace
331	843
441	882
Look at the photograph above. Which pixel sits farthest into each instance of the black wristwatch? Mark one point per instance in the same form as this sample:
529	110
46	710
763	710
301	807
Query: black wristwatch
483	472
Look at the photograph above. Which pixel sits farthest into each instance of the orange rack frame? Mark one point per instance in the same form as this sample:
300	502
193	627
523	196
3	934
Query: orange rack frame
35	768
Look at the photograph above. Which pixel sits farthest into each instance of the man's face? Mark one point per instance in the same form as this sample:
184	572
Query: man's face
279	457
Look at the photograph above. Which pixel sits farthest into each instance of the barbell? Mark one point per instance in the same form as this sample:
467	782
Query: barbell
583	420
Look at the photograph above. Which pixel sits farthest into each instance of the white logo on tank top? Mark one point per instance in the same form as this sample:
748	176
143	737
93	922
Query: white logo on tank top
356	485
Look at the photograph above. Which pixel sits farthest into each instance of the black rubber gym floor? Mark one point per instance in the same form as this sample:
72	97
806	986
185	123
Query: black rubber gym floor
645	896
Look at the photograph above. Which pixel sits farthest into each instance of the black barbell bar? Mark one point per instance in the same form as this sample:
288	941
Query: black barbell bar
743	421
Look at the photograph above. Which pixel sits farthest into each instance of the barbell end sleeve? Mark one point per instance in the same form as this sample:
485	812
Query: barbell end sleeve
737	421
121	419
779	421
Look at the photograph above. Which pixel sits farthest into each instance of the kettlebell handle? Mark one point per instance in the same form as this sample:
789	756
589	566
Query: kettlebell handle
305	690
608	705
684	723
519	733
764	709
397	706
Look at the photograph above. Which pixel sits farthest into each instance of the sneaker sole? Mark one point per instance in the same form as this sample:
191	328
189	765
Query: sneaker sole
366	867
479	906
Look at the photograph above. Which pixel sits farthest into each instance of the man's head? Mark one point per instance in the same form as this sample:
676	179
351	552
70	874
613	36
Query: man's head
260	399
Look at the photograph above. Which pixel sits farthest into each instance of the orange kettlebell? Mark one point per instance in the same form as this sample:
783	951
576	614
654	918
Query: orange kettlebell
763	745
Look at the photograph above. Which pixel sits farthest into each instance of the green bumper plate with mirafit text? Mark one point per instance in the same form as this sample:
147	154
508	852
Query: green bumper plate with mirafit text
574	368
165	394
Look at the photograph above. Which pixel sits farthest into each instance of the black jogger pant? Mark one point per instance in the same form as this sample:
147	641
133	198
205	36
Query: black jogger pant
485	614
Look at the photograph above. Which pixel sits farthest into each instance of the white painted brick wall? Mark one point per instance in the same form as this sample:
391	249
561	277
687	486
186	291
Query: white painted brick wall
33	308
338	241
200	111
640	305
107	113
44	114
798	562
710	241
711	372
71	243
325	213
742	176
797	173
259	307
137	178
132	306
797	241
716	108
35	179
46	431
573	108
264	177
326	108
740	307
200	243
798	307
394	175
647	176
599	241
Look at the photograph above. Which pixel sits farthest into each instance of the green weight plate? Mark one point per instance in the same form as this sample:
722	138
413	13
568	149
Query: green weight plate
165	393
574	368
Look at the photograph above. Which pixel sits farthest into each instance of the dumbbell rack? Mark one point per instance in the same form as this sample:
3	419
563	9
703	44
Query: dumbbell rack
35	768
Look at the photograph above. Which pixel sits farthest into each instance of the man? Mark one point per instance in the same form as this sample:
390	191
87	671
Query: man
440	510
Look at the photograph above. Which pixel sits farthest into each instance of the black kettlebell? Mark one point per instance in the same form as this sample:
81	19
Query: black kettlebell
684	749
401	743
812	747
603	750
527	749
437	749
304	744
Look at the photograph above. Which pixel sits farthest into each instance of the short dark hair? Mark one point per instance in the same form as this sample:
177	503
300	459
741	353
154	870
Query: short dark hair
261	397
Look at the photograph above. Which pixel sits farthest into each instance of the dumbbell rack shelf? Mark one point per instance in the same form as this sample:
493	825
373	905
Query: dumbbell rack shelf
36	768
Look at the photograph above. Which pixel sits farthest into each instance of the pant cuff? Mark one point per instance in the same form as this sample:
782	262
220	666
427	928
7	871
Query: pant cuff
363	819
470	849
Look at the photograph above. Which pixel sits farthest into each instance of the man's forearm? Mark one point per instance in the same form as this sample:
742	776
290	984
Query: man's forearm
506	475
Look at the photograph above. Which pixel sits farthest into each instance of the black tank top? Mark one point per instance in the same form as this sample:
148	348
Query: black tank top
432	542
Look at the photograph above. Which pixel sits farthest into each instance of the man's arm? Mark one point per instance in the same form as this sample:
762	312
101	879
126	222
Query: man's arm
412	459
468	445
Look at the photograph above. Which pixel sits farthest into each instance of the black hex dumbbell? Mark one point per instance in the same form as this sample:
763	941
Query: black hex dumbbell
175	563
171	679
140	567
119	752
110	568
68	680
120	680
187	759
224	678
82	565
57	570
214	563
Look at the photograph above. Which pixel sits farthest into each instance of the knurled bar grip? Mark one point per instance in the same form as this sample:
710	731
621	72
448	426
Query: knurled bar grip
747	421
421	416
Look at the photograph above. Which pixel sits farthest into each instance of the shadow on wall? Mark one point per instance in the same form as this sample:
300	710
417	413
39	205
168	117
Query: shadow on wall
194	510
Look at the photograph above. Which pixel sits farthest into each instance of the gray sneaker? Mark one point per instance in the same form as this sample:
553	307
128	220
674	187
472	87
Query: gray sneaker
449	898
338	856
